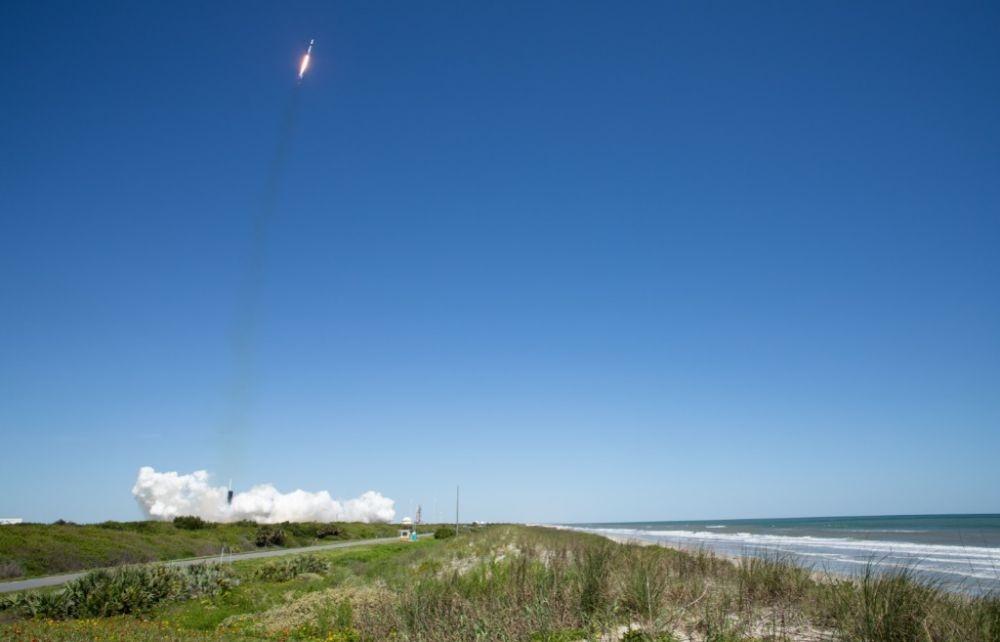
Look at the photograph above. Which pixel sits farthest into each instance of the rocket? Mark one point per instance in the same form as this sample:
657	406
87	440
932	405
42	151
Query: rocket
229	494
305	59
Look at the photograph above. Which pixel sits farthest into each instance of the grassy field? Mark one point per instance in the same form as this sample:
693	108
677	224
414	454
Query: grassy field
502	583
29	550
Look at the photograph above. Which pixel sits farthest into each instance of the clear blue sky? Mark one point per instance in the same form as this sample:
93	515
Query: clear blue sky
593	261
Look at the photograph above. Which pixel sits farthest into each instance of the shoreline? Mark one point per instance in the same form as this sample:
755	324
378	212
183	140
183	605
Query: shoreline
966	584
490	583
735	560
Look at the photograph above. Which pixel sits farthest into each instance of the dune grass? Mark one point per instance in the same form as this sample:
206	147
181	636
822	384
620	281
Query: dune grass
534	584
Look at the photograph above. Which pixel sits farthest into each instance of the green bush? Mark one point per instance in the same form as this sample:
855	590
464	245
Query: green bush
10	568
191	523
328	530
268	536
444	532
206	579
128	589
306	530
290	568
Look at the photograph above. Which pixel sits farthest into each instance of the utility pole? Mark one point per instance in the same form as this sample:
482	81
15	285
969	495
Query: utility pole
456	510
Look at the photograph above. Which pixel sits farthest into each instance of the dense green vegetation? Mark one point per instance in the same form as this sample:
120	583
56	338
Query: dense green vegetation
119	591
191	523
514	583
29	550
289	568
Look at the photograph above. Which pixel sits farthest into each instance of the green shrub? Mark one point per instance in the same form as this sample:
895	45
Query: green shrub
124	590
206	579
286	569
137	527
191	523
305	530
444	532
328	530
34	604
10	568
268	536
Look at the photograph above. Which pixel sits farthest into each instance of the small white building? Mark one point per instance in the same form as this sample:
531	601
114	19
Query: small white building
6	521
407	532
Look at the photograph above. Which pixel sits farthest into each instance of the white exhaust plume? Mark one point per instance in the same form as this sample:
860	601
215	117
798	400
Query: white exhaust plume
168	495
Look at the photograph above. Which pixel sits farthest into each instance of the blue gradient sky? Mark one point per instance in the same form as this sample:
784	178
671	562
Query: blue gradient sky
592	261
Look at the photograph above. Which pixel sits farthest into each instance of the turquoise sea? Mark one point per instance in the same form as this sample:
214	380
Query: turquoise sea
959	552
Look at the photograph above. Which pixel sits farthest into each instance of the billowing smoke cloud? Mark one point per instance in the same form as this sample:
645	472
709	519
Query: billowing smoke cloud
168	495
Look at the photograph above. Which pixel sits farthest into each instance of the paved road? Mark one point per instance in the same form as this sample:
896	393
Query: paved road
56	580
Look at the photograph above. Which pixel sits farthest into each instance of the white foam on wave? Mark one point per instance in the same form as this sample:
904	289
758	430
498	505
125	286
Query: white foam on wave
968	561
770	541
884	530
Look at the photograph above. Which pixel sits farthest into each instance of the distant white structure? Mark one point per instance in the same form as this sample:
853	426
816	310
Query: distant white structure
6	521
407	532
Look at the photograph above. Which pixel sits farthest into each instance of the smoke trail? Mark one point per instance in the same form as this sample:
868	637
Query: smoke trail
235	431
168	495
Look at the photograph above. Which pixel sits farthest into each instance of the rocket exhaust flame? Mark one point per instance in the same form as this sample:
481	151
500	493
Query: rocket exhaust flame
305	60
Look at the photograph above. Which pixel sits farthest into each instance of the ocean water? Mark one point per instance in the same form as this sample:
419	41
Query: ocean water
959	552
